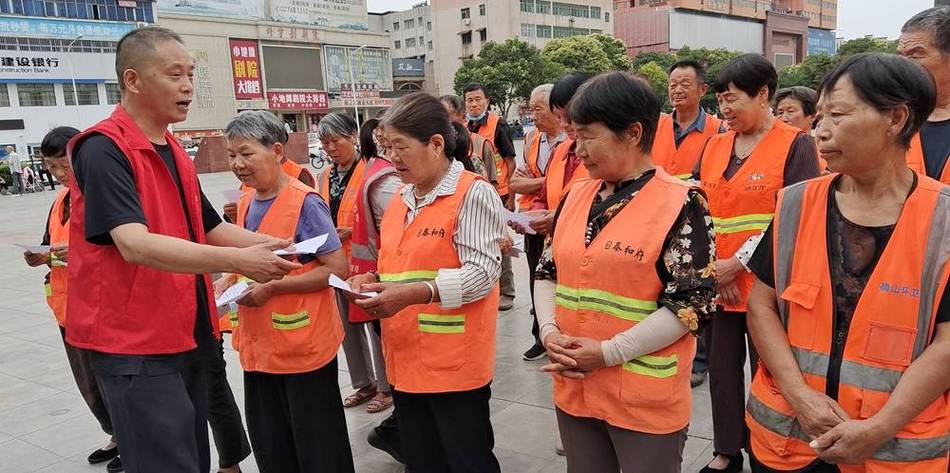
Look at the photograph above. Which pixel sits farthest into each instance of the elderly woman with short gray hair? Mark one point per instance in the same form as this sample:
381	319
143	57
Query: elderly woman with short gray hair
339	184
287	331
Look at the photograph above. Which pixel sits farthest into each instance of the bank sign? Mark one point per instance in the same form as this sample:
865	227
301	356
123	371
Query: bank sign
62	29
37	65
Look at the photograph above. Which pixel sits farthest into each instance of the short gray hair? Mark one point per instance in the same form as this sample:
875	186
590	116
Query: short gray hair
934	20
258	125
336	124
542	89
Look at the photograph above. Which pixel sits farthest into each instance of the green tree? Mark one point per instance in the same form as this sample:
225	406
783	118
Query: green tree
656	75
867	45
809	73
509	70
590	53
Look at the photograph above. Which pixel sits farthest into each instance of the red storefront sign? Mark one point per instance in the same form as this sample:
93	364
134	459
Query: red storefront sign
293	100
246	67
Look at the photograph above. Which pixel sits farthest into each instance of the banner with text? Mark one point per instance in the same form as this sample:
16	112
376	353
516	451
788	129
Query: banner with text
298	100
343	14
246	68
241	9
345	65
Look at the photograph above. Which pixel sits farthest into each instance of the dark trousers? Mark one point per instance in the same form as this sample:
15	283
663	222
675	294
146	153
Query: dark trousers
817	467
726	338
80	363
446	432
296	421
701	361
158	405
223	415
533	247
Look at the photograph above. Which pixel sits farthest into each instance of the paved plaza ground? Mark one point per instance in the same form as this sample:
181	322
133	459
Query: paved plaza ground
45	425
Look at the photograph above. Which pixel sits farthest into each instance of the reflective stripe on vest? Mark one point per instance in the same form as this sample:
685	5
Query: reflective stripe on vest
290	321
48	290
653	366
437	323
626	308
742	223
409	276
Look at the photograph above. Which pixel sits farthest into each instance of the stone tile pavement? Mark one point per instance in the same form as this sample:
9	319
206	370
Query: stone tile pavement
46	427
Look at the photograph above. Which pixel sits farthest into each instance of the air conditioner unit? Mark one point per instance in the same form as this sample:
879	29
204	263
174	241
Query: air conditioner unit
467	21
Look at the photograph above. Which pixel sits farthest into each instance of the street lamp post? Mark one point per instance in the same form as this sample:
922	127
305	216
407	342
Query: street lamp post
356	109
72	76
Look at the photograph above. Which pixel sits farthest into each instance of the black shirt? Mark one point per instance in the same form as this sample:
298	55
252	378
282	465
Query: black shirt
935	140
853	253
105	177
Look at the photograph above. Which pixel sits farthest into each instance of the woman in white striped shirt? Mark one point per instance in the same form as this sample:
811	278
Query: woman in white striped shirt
439	264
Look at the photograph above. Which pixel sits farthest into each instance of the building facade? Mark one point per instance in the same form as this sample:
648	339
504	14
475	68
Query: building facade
48	47
298	62
461	27
785	31
410	32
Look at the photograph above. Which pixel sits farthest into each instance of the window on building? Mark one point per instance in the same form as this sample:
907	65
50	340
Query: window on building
396	26
430	45
4	96
481	10
565	31
88	94
428	26
422	40
467	38
544	31
783	60
113	94
570	9
543	7
36	95
528	30
466	13
409	24
397	44
410	42
595	12
483	35
607	17
419	21
527	6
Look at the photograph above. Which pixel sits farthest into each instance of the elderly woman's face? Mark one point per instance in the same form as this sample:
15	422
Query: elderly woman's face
565	122
851	133
256	165
341	149
790	111
414	160
743	113
601	151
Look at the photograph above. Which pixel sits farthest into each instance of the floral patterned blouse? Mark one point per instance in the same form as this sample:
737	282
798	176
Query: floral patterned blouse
687	268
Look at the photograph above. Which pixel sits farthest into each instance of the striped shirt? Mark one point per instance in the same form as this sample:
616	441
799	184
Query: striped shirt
480	227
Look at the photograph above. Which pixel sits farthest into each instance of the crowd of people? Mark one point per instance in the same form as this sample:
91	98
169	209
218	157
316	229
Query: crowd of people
809	230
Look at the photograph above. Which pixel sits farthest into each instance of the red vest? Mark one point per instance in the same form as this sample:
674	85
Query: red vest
365	238
121	308
346	212
680	161
58	274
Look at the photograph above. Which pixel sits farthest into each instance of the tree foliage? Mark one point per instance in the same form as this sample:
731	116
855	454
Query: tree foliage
509	70
654	67
866	45
590	53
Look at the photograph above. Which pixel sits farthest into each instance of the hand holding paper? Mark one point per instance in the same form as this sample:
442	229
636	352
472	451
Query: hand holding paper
306	247
232	294
343	286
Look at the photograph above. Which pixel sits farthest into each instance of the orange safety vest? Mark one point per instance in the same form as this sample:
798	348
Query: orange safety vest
607	288
487	131
289	168
554	179
291	333
58	276
743	206
346	214
531	153
915	160
429	349
907	283
680	161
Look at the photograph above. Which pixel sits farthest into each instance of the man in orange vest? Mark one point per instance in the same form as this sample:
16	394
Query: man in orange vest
143	237
680	138
53	149
925	39
495	130
539	146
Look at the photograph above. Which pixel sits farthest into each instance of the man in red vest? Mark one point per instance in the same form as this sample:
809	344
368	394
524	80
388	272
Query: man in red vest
495	129
925	39
143	238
